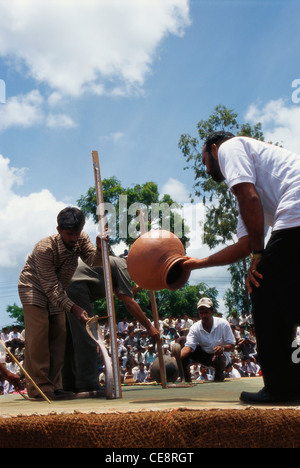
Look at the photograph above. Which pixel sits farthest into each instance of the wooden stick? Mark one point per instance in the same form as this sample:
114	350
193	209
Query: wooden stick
108	278
24	371
162	366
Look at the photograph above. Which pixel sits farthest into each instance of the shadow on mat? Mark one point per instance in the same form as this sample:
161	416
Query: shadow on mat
176	400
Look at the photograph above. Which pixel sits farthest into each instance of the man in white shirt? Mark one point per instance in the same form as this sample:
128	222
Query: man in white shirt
142	374
122	326
265	179
208	342
187	321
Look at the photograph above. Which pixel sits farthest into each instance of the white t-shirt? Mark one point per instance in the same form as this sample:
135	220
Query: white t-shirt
234	374
274	171
122	326
219	335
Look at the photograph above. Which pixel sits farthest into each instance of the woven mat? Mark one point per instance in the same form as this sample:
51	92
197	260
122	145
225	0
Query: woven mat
180	428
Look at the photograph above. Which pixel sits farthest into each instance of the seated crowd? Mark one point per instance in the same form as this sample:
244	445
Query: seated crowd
137	352
14	341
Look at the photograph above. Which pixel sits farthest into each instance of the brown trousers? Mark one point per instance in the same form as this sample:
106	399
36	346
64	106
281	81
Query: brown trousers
45	337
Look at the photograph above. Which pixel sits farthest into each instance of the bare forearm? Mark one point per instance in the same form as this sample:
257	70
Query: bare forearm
135	310
226	256
231	254
185	352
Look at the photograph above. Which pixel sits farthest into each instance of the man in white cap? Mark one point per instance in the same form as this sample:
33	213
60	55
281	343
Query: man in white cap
208	342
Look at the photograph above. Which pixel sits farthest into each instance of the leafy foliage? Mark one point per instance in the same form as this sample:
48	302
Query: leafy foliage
169	303
15	312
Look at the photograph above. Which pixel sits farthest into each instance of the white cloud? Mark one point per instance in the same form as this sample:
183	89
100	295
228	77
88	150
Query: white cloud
24	220
22	111
176	190
59	121
117	136
93	45
280	122
28	110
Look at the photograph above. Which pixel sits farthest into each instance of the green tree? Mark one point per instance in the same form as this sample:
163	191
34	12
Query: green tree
174	303
15	312
184	301
221	206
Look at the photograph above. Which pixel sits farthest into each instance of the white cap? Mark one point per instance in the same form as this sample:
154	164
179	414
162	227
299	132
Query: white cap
205	302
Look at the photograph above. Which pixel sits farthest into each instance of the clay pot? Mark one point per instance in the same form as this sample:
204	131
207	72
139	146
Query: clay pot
154	261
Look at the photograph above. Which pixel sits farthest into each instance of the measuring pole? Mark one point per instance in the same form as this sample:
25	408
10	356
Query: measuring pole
162	366
108	278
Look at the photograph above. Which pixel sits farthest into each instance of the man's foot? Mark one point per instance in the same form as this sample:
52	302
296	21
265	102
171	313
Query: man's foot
57	395
265	397
63	395
219	377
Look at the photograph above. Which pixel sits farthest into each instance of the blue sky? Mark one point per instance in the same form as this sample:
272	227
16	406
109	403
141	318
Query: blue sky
127	78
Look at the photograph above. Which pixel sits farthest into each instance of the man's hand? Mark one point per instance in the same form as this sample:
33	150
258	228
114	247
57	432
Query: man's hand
191	263
253	275
218	350
13	379
153	333
136	289
80	314
104	236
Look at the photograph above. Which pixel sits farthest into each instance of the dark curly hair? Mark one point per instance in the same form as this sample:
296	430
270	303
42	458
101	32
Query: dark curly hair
217	138
70	218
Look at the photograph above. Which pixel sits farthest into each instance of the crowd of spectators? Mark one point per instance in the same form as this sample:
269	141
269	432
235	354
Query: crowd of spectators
137	352
14	341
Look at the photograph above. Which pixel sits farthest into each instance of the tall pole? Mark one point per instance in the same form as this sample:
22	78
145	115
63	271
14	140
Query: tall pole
162	366
108	278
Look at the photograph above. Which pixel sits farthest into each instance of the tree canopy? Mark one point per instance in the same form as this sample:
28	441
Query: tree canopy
169	303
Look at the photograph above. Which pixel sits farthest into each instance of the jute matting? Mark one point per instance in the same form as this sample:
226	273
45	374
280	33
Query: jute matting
187	418
176	429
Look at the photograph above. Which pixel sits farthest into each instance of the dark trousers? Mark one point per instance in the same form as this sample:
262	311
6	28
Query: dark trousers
276	311
81	365
206	359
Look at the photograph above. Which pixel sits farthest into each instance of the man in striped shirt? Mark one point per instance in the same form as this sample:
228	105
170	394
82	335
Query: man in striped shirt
42	290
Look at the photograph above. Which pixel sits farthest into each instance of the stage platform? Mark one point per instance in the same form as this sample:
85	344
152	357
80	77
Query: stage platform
202	415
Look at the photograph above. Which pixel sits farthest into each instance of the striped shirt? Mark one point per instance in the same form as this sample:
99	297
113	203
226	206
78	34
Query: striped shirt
49	269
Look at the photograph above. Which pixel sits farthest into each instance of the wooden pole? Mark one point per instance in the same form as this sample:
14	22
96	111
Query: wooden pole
108	279
162	366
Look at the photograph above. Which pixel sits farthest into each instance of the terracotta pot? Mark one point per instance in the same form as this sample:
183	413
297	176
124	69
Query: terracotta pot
154	261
